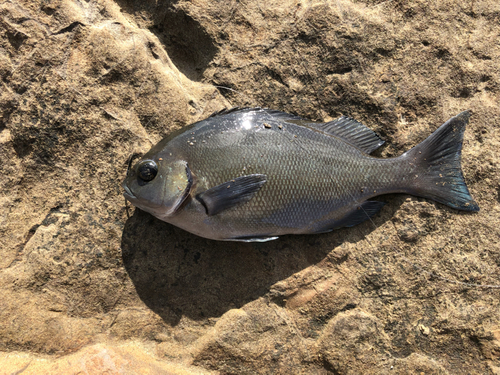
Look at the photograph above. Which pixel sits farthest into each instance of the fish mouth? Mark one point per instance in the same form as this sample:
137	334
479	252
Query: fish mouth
128	194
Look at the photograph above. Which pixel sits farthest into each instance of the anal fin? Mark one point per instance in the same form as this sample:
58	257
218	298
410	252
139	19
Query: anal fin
362	213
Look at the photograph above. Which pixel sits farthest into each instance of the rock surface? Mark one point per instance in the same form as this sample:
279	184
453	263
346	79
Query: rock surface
130	358
86	83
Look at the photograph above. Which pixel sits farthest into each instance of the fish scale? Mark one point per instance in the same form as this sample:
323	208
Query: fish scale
254	174
286	165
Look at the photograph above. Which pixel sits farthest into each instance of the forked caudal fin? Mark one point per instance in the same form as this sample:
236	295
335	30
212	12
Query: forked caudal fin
438	164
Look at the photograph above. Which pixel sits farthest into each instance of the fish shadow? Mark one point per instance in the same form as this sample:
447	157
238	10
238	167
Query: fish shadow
176	273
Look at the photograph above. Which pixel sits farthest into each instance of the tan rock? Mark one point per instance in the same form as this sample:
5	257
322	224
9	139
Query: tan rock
84	84
130	358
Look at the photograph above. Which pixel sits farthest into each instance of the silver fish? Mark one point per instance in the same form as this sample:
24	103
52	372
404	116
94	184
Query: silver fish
254	174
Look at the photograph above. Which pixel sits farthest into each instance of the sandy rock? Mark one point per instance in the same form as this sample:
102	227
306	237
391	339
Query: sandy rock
244	339
83	85
130	358
354	341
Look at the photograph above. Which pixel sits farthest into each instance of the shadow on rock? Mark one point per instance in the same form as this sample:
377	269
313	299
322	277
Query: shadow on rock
189	45
177	273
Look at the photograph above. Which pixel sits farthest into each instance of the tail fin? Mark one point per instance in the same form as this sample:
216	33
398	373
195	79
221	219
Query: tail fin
437	160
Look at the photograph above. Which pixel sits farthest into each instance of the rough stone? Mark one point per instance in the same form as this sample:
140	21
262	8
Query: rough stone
84	84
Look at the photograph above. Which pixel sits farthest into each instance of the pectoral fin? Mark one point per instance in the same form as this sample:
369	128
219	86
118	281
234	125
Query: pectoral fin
231	193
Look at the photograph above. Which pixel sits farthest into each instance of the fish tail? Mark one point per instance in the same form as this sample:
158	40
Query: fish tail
437	162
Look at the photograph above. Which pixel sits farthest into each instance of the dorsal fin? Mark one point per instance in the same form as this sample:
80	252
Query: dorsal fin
279	115
351	131
348	129
225	111
273	114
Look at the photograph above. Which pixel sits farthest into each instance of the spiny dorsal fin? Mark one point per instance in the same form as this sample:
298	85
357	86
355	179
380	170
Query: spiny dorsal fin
344	127
273	114
231	193
225	111
351	131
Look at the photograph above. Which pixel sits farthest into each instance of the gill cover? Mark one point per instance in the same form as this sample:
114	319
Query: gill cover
178	184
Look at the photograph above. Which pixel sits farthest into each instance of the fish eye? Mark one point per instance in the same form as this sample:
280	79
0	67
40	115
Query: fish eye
147	170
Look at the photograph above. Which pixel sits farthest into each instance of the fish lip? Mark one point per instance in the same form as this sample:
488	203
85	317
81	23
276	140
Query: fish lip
128	194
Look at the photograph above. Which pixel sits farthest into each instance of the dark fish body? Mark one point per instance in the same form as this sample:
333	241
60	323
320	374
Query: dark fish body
255	174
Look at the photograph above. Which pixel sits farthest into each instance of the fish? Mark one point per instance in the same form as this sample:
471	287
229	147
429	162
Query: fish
255	174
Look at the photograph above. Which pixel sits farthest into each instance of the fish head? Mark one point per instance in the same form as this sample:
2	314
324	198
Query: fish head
158	186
